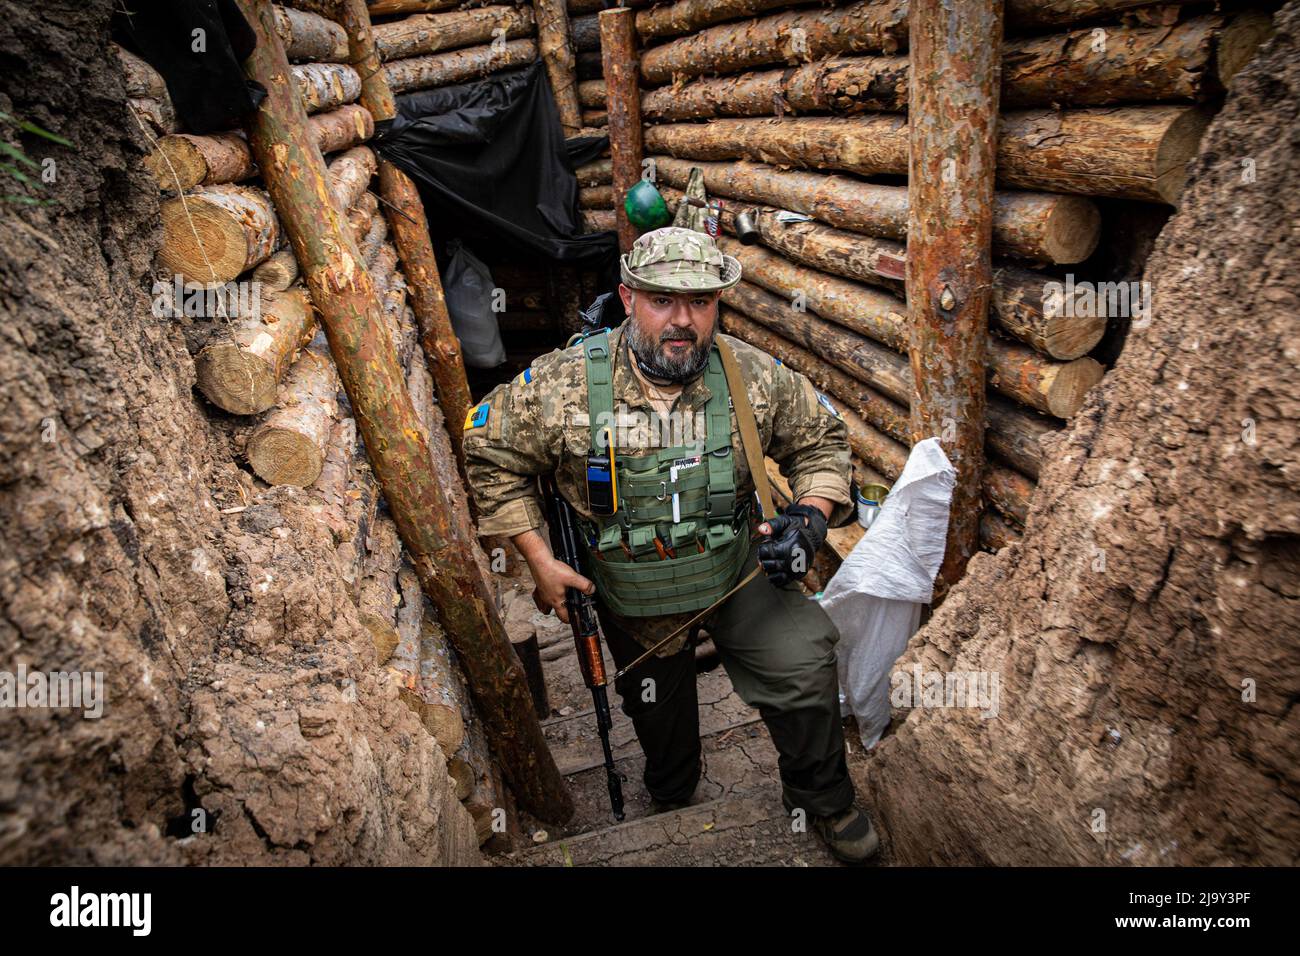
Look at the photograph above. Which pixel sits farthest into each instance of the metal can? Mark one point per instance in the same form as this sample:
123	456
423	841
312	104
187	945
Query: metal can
870	500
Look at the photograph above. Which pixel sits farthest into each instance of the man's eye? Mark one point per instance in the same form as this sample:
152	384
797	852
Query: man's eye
661	300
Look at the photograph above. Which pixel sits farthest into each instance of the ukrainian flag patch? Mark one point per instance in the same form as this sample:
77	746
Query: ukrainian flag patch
524	377
826	404
478	416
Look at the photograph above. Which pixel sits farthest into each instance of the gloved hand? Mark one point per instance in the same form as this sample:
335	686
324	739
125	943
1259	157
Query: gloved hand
794	538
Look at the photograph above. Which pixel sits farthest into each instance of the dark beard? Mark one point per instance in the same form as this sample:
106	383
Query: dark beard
652	360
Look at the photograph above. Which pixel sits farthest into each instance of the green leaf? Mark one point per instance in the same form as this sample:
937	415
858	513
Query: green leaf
52	137
17	154
16	173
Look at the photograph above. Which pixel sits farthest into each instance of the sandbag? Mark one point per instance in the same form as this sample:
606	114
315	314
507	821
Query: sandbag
468	286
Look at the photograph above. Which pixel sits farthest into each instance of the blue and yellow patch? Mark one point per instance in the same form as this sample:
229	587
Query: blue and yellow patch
524	377
826	404
478	416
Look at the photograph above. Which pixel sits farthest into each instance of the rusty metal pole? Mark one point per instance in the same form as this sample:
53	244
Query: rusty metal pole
618	55
952	121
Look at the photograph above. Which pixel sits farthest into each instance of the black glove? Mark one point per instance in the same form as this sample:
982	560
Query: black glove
788	552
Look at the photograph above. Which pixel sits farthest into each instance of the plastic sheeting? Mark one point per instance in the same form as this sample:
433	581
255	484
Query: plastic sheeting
493	167
876	597
467	284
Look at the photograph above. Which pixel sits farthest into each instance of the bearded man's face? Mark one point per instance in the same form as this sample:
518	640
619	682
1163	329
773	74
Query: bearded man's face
671	332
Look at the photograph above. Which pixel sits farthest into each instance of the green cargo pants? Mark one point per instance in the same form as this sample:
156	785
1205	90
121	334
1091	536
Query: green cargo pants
778	647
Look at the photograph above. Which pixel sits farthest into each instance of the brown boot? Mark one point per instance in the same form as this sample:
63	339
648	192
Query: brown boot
848	834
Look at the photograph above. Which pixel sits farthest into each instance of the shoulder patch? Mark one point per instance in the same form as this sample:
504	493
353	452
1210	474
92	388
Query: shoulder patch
477	416
525	377
826	404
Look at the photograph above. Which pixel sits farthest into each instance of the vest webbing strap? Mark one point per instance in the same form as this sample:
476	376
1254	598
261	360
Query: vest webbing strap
748	429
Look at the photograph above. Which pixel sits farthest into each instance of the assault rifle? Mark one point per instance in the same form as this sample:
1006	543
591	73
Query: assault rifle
586	629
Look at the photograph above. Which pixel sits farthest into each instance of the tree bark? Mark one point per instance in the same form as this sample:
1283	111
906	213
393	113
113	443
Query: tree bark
410	228
241	371
619	55
326	86
344	296
1027	14
556	49
433	32
585	31
591	94
289	447
879	27
1037	226
183	161
444	69
309	36
598	172
688	16
349	176
214	236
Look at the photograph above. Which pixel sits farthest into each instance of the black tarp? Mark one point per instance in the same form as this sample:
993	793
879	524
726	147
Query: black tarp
494	169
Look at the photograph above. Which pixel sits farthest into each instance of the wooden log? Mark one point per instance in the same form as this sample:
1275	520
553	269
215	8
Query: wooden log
142	80
1015	434
598	220
280	271
349	312
383	8
953	113
1008	491
1139	152
864	401
868	311
309	36
596	197
1057	388
431	33
1126	153
880	367
382	634
349	176
588	66
798	36
595	6
530	655
214	236
457	66
687	16
1018	294
240	371
585	31
847	85
598	172
555	46
326	86
157	116
618	51
421	659
183	161
1241	39
595	119
289	447
1037	226
410	229
591	94
1035	14
995	532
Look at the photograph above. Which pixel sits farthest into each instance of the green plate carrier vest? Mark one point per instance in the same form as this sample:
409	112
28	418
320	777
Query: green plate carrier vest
711	541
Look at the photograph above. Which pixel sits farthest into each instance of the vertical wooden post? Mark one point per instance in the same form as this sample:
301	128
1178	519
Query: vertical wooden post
556	47
952	123
618	56
353	320
406	218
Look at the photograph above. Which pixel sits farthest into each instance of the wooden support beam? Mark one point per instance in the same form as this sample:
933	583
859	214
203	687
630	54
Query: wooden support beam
362	349
556	47
457	66
618	52
431	33
410	228
953	108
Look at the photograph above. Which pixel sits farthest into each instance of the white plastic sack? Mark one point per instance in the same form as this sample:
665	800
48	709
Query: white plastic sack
467	284
875	598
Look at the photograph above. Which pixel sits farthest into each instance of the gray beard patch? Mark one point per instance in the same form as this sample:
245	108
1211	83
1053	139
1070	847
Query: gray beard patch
654	362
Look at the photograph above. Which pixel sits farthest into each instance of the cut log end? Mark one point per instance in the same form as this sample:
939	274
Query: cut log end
1072	230
1239	42
202	241
177	163
1072	337
1070	384
283	456
235	379
1177	148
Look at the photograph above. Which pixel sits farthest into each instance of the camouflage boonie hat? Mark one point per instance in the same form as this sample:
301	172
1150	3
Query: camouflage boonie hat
674	259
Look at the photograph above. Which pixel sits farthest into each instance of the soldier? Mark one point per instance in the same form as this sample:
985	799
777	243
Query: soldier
644	434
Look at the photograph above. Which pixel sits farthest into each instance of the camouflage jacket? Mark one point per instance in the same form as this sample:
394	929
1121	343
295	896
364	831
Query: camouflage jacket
538	423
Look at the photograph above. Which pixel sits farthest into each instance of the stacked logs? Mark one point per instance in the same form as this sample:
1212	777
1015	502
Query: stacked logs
437	45
797	114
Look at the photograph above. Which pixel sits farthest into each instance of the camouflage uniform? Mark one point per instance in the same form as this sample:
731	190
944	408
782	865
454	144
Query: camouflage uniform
777	645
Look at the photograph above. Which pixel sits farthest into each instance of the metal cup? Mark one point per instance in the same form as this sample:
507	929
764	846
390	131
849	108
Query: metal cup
870	499
747	227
